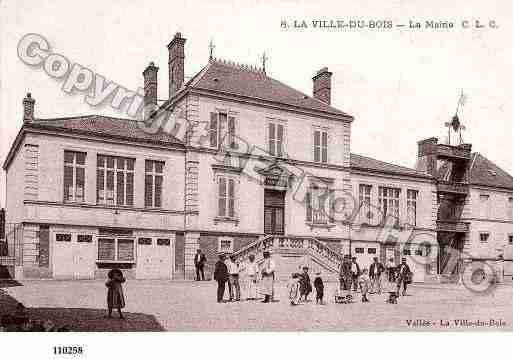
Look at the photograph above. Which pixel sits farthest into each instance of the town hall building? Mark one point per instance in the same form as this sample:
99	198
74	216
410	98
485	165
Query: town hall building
258	165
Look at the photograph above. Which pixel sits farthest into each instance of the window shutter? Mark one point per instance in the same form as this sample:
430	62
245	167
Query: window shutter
308	207
272	139
223	138
231	132
213	129
324	147
231	198
148	191
222	197
279	140
317	142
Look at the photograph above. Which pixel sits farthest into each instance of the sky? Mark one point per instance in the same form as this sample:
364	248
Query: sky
400	84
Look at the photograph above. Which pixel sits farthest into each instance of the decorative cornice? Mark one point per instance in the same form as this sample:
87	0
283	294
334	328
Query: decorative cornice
224	168
227	96
113	208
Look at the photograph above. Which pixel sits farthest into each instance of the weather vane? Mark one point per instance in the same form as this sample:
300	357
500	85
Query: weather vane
211	47
455	123
264	60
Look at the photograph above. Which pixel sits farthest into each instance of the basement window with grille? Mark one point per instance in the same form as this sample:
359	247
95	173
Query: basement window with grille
484	237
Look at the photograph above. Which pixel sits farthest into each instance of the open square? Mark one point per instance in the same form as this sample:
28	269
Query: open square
183	306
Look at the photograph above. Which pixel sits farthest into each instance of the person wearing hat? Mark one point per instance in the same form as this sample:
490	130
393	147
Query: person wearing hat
267	272
345	275
375	271
403	276
305	285
319	288
221	276
252	272
355	272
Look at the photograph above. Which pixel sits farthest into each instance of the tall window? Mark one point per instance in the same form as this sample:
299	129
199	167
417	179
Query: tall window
154	175
411	206
221	130
276	135
484	206
389	201
365	201
115	181
74	176
226	197
316	206
320	146
510	208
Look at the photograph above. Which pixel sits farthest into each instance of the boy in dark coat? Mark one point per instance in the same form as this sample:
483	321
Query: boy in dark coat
221	276
319	288
305	286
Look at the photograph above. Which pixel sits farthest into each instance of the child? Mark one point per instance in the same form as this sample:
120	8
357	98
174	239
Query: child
304	284
364	282
319	288
294	292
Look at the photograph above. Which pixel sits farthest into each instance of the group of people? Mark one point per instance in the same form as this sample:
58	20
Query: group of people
370	280
260	279
300	287
228	271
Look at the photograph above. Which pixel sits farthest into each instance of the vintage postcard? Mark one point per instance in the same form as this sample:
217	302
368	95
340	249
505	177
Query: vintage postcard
255	166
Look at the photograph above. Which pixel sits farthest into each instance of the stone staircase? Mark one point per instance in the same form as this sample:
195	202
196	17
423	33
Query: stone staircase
290	254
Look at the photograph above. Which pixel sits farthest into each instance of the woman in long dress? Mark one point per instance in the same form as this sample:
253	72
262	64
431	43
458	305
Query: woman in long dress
115	297
267	277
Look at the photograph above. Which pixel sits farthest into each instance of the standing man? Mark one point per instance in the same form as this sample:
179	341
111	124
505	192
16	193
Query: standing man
345	275
233	284
375	272
403	276
221	276
355	273
267	277
199	263
252	272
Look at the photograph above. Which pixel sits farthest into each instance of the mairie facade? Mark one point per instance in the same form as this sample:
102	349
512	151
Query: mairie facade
238	162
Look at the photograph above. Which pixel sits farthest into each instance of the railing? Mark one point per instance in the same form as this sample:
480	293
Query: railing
452	226
452	151
11	246
452	187
281	244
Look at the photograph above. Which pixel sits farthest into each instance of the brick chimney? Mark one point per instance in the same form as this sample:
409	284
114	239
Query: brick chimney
150	89
426	156
28	108
176	63
322	85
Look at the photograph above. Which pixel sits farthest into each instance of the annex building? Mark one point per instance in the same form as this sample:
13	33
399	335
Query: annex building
260	165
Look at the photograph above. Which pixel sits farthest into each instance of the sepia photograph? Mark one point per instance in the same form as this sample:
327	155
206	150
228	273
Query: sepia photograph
255	166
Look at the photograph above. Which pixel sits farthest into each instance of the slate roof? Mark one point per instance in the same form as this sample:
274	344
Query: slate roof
484	172
365	163
239	80
105	126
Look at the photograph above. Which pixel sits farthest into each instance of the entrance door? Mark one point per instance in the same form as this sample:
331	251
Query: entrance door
63	263
84	256
164	258
274	212
154	258
145	259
